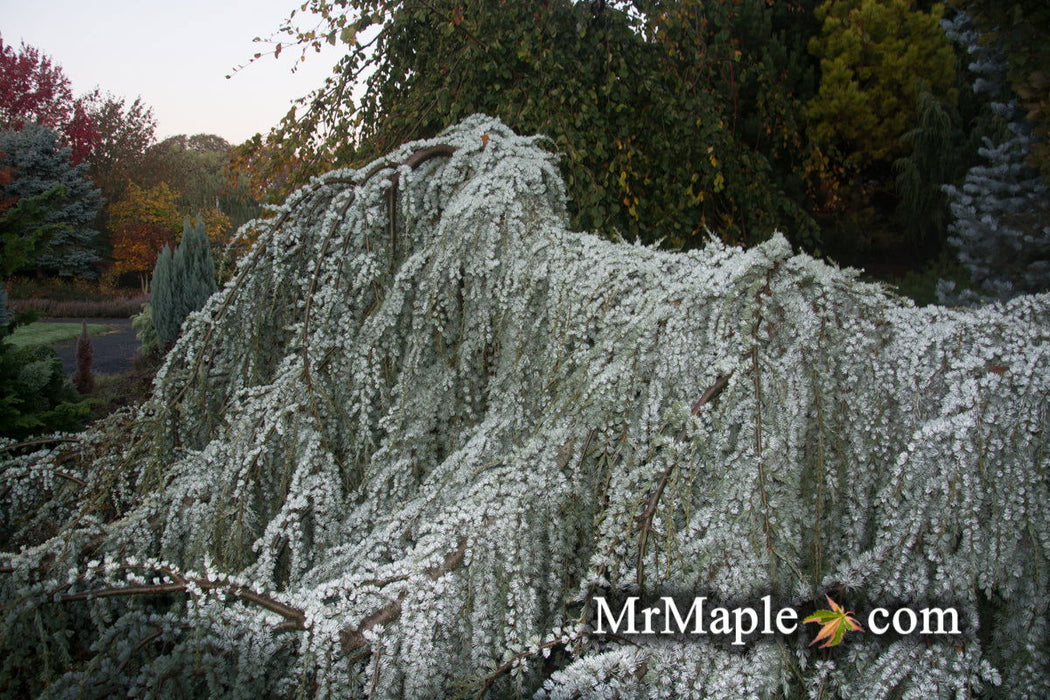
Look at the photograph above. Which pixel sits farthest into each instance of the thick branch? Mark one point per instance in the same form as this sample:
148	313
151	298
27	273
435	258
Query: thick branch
413	161
295	619
69	477
37	442
355	638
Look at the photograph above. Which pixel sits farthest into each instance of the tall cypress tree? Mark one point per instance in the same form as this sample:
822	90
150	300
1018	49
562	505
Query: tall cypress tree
182	281
161	299
195	264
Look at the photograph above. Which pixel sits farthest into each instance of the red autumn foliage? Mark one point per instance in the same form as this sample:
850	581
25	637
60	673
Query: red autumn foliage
34	89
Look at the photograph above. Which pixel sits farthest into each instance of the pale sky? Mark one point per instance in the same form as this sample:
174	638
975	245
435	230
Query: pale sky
175	54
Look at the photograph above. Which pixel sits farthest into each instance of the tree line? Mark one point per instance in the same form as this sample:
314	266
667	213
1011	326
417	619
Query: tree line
857	127
88	193
86	189
892	135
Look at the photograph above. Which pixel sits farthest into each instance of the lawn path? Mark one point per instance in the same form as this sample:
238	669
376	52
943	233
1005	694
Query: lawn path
114	351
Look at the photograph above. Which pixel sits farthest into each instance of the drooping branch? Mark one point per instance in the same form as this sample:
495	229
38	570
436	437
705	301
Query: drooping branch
355	638
295	618
38	442
645	520
413	161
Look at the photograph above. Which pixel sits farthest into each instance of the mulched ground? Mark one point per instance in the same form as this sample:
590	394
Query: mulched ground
114	352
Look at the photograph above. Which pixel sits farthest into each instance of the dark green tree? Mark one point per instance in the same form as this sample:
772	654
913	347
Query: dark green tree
933	161
672	117
35	396
39	165
23	225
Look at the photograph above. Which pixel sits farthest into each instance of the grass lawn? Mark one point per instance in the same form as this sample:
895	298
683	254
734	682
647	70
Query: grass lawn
45	333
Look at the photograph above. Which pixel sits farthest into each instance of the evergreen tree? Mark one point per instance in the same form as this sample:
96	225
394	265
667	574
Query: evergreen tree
882	63
162	300
24	226
876	59
40	165
34	394
920	176
403	458
999	213
193	260
145	331
182	281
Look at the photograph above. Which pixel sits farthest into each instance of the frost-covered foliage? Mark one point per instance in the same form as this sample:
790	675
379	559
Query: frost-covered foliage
1000	226
399	453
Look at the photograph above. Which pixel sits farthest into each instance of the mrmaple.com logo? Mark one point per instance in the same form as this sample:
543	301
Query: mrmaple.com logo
741	623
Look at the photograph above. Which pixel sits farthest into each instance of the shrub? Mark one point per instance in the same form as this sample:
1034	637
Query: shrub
83	377
34	394
145	331
399	457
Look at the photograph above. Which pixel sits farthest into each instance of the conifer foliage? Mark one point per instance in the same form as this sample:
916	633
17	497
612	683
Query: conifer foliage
183	280
999	228
400	452
41	165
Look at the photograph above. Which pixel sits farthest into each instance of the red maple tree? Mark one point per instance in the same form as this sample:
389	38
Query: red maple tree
34	89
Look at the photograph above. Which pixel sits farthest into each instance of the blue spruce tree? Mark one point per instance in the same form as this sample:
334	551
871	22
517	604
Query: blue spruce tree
42	166
999	227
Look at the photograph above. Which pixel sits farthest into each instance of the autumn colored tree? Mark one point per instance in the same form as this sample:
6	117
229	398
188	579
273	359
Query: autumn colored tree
196	168
33	89
125	132
671	118
143	222
877	59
